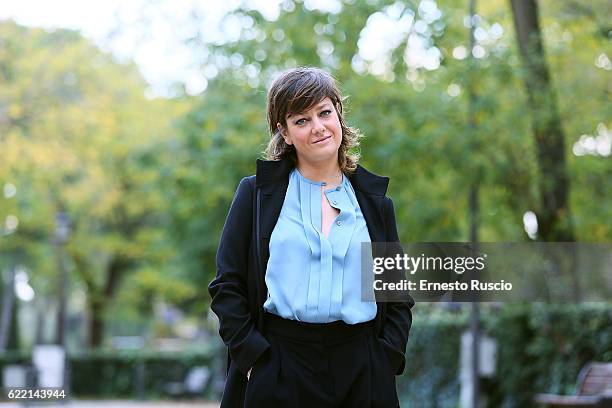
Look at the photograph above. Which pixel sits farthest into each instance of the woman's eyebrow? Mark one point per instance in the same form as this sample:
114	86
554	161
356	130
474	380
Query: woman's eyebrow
319	106
322	105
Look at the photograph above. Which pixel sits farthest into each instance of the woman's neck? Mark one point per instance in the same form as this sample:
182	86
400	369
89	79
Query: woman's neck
327	172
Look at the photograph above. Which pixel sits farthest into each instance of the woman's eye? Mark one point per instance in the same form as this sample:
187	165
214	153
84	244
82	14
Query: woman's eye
300	122
326	112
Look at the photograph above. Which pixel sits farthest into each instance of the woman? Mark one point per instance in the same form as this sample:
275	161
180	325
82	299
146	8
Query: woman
288	284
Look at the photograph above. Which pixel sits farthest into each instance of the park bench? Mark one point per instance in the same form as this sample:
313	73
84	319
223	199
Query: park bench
593	389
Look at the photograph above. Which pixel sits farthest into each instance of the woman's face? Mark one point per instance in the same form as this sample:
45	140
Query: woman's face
316	133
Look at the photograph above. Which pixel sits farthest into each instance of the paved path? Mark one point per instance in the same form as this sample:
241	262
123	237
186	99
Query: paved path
119	404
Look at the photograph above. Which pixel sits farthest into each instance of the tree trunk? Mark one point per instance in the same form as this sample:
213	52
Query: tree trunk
98	299
96	322
554	221
554	218
6	311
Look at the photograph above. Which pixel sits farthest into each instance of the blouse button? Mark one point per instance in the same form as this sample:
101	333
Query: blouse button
338	223
334	202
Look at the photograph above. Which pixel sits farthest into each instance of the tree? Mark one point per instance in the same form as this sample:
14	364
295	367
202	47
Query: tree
414	118
554	218
78	134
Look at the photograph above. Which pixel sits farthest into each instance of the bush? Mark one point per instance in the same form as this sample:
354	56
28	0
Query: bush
431	377
540	348
125	374
112	373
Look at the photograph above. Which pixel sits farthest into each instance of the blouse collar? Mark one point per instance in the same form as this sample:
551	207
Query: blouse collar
276	171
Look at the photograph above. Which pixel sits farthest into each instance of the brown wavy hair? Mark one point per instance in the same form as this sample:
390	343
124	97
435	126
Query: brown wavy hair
297	90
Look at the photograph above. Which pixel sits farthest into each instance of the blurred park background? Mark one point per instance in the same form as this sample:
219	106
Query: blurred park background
126	126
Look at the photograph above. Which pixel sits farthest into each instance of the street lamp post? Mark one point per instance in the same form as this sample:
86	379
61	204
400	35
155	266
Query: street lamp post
62	232
474	206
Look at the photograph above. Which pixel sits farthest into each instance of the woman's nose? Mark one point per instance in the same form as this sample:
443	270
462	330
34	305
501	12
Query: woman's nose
317	126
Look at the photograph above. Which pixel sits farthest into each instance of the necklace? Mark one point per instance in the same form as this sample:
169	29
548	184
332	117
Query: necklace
334	178
330	177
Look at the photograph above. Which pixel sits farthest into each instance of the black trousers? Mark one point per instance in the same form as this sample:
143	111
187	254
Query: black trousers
321	365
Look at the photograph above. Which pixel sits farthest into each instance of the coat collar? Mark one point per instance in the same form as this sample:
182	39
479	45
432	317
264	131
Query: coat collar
270	172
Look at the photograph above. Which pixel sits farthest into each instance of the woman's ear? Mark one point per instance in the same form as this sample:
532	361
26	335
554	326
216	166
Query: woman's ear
283	133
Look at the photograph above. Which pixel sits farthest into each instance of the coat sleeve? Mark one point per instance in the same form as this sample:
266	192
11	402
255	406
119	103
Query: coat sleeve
228	289
399	316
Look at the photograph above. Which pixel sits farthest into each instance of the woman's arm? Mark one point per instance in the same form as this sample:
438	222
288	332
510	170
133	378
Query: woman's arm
399	317
229	288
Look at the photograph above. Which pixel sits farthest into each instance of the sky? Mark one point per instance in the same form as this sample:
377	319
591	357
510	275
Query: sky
152	33
149	32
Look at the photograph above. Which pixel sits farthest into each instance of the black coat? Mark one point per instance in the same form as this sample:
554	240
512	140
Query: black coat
238	291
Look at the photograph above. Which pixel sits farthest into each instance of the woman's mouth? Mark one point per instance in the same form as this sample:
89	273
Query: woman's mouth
323	139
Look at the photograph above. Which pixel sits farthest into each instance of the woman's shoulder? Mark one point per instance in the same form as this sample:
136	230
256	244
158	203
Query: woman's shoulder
250	179
246	186
369	182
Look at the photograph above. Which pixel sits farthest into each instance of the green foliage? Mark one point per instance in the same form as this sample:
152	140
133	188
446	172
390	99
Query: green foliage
148	183
431	375
540	348
416	132
104	374
78	135
114	374
221	138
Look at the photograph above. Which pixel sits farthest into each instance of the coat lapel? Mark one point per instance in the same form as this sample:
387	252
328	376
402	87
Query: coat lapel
272	199
371	207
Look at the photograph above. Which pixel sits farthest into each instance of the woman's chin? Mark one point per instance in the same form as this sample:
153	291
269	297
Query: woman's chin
325	156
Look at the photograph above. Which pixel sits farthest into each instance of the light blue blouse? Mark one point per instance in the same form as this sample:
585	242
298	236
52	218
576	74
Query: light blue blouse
309	277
